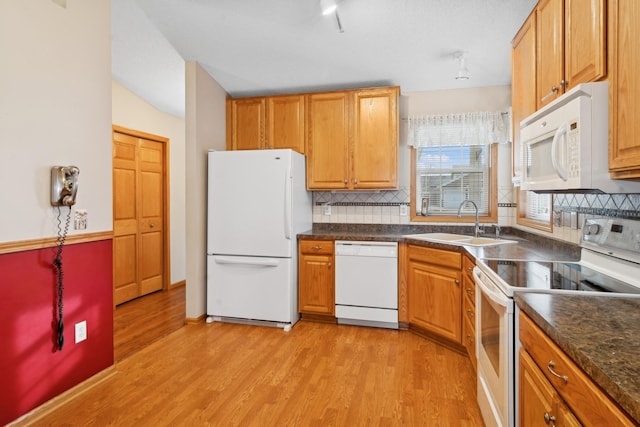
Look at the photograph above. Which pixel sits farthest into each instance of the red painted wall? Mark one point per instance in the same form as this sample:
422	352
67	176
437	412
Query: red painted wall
32	371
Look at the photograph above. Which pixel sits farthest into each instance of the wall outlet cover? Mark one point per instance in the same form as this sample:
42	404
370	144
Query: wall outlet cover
81	331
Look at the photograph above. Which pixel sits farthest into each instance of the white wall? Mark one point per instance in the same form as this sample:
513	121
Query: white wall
55	109
131	111
205	125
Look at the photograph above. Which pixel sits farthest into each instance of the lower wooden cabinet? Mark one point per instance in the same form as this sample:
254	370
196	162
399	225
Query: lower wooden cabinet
538	401
316	280
434	291
552	384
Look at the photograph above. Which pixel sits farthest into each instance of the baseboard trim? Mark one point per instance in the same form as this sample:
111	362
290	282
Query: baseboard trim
178	284
62	399
195	320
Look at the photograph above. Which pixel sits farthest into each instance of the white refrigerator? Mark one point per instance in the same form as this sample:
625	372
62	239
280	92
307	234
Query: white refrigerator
257	203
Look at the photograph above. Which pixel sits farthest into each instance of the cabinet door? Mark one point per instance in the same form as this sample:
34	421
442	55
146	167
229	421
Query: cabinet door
539	403
435	299
246	130
585	37
328	141
285	124
316	283
624	150
375	139
523	85
550	50
536	395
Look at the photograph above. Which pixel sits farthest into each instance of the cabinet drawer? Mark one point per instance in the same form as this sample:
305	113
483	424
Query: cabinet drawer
442	257
469	339
316	247
469	311
467	266
590	404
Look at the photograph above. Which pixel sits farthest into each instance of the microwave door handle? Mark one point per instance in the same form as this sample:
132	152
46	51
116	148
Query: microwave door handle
561	132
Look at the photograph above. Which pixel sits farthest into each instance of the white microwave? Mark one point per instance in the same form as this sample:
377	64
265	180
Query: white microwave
565	145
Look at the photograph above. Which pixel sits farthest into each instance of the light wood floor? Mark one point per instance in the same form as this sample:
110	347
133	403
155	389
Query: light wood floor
139	322
315	375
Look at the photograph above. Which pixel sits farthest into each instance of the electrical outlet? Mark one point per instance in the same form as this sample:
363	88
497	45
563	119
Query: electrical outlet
81	331
326	209
403	210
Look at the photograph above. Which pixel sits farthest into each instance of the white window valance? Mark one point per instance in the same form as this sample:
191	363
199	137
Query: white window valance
480	128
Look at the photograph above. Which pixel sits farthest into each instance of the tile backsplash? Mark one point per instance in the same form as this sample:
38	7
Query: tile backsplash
615	205
392	207
385	207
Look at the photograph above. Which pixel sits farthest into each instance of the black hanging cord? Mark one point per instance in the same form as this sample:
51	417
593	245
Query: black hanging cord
57	262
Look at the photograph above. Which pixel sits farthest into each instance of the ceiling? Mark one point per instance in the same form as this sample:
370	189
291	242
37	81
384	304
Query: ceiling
266	47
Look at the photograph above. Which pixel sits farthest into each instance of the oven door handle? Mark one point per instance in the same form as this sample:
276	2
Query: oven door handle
494	295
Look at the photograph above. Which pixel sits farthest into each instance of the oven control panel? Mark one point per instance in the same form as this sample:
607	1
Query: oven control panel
613	236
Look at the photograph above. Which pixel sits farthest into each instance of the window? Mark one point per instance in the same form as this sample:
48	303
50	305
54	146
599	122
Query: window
445	176
534	210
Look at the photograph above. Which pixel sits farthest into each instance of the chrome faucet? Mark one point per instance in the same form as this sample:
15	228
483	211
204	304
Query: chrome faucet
477	229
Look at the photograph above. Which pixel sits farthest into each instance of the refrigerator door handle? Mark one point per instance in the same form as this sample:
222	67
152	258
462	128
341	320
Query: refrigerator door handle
287	205
244	261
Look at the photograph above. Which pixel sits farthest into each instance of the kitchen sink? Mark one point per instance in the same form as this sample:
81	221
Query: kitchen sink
459	239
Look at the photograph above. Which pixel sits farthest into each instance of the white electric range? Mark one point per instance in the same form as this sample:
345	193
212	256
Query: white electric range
609	265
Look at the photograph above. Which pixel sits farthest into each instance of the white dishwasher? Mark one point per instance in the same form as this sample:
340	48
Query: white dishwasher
367	283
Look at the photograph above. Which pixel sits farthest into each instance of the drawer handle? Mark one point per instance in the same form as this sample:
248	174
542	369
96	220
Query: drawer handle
550	367
329	265
457	282
553	91
469	270
549	418
316	247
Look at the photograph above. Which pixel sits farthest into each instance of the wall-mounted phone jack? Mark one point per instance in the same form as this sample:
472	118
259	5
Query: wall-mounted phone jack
80	219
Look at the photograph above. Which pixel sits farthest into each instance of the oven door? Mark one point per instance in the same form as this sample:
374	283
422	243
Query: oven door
495	350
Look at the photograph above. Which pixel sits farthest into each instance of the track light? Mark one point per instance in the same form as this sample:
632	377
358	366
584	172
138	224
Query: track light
328	6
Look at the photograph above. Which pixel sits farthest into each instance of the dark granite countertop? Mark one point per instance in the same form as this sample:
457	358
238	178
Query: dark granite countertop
599	333
529	246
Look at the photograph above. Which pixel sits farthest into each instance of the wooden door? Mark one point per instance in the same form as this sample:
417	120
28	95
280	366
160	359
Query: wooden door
435	299
523	85
375	139
139	216
585	39
247	118
286	122
536	395
550	50
316	283
328	141
624	89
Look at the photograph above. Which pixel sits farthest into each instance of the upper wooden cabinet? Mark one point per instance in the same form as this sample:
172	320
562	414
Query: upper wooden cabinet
523	85
266	122
624	88
246	120
571	39
328	140
353	139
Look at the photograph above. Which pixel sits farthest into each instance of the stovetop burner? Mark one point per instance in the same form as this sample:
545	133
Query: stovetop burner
609	264
542	276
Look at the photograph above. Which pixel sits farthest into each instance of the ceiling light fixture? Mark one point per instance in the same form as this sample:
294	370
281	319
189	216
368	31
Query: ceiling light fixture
463	71
331	6
328	6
